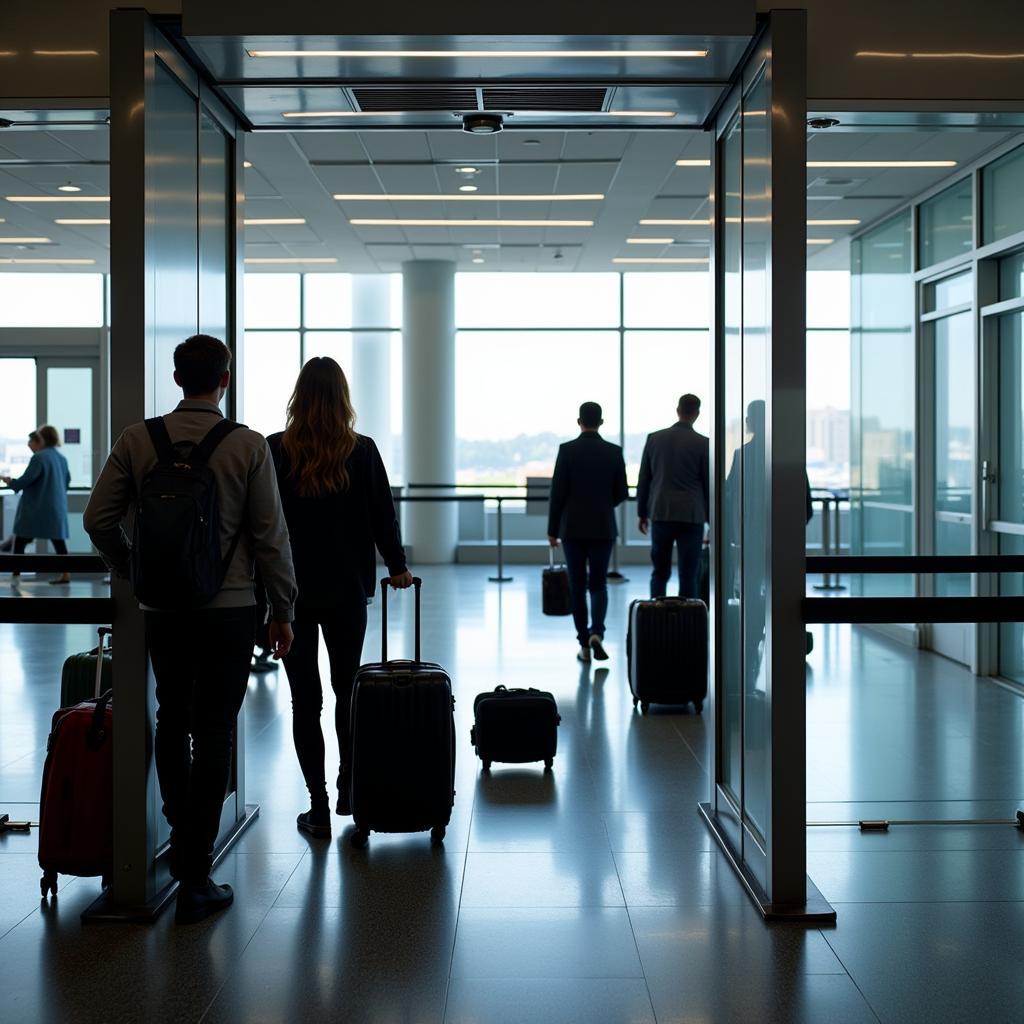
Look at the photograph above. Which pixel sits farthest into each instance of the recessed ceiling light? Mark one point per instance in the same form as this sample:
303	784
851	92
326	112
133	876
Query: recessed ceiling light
57	199
663	222
820	241
881	163
479	54
266	221
662	259
531	142
23	240
380	197
66	53
291	259
478	259
247	163
640	113
343	113
68	188
693	163
399	222
467	170
47	262
467	188
836	222
649	241
78	221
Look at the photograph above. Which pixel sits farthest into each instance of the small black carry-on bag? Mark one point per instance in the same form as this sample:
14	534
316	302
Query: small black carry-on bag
667	652
555	588
403	742
515	726
78	679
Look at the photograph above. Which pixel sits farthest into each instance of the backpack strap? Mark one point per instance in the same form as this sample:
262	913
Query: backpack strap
157	430
201	452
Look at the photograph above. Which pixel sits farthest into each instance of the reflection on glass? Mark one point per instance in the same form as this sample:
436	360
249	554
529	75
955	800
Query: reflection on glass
1011	634
947	224
1011	418
954	444
950	291
69	409
270	364
1011	276
1002	197
883	405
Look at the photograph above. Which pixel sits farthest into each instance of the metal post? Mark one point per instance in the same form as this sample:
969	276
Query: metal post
837	543
826	540
501	577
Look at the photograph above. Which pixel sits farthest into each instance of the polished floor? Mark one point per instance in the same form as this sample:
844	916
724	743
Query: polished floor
593	894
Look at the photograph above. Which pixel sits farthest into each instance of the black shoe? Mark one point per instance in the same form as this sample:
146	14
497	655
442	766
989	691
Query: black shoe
600	654
198	902
315	822
344	806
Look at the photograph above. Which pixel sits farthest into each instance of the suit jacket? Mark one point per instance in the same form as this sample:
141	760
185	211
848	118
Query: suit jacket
588	483
673	485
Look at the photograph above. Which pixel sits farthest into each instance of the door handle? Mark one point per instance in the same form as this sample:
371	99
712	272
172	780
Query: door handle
988	478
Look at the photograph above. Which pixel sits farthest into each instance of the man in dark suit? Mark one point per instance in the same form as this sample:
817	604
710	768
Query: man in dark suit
588	483
672	498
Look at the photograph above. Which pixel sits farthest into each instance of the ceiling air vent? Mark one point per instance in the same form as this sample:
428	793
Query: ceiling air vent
378	101
586	101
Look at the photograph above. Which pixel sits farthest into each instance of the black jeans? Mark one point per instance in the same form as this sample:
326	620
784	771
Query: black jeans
20	543
344	628
587	562
690	538
201	663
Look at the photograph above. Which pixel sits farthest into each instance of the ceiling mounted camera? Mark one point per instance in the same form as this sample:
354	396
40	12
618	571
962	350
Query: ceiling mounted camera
482	124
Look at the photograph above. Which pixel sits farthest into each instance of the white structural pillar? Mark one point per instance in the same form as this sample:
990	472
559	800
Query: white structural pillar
428	404
371	360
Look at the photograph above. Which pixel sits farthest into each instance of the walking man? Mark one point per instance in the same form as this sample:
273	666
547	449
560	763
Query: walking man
672	498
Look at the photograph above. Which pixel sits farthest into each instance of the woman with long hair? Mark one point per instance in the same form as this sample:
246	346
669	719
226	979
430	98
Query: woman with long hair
338	505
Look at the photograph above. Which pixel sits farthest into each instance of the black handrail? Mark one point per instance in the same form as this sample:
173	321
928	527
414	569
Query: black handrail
897	564
879	610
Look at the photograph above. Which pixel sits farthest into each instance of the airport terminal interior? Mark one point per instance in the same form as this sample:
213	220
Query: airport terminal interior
617	236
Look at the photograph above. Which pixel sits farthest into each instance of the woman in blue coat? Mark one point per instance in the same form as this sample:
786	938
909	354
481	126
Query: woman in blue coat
43	509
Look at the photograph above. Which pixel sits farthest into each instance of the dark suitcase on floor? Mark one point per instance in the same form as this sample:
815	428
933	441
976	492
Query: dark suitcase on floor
555	588
667	652
515	726
403	743
83	676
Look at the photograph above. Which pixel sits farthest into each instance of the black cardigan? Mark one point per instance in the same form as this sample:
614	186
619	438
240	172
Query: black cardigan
333	536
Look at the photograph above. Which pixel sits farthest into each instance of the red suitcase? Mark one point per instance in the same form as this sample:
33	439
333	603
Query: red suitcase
76	805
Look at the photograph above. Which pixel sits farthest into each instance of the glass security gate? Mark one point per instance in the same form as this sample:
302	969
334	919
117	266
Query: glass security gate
757	807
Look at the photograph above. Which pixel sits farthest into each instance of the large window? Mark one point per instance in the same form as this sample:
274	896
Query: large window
51	300
17	414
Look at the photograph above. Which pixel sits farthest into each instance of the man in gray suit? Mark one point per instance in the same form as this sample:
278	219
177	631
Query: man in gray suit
672	498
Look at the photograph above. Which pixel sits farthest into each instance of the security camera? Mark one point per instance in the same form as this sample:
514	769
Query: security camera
482	124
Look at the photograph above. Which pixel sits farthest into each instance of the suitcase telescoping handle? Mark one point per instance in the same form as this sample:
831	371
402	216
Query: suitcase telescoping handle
102	632
384	584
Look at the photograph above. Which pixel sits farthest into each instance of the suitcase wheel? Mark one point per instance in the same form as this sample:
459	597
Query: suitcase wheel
698	706
644	707
437	835
48	883
487	766
360	839
548	762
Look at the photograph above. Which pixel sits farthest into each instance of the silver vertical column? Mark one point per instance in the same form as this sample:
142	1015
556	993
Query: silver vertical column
428	400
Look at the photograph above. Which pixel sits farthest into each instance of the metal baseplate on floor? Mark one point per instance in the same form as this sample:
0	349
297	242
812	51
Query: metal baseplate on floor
6	825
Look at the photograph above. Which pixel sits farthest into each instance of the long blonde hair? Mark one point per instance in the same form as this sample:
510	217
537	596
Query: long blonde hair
319	435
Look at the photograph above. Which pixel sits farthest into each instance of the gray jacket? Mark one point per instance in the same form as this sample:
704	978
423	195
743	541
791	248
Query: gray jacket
247	494
673	485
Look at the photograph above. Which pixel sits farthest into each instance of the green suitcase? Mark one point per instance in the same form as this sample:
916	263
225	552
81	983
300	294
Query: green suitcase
85	676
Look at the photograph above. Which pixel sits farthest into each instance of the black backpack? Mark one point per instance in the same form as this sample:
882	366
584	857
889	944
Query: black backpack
176	559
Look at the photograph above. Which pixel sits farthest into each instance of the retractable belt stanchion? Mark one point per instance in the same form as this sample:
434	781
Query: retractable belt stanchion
501	577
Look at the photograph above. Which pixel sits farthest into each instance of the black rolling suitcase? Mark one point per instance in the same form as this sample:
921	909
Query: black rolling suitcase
515	726
667	652
86	675
403	743
555	588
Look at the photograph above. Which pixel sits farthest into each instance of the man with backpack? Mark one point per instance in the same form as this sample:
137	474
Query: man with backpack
199	495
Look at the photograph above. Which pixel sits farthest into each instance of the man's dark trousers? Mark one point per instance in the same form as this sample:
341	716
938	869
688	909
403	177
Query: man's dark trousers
201	663
587	562
690	538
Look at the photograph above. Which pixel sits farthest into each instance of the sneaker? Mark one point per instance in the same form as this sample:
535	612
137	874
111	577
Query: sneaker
584	655
315	822
198	902
600	654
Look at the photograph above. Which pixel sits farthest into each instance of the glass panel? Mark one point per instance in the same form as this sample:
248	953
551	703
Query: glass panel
214	190
1011	419
659	367
536	300
828	299
950	291
954	444
271	300
884	401
1011	276
69	409
828	409
17	414
667	300
1011	634
947	224
328	300
336	344
1002	197
757	235
270	366
505	441
732	399
51	300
